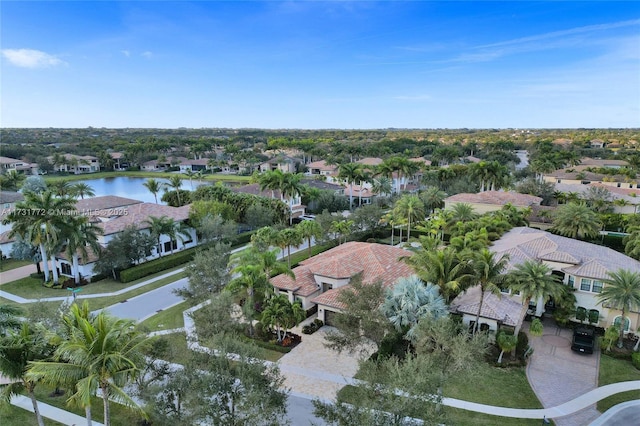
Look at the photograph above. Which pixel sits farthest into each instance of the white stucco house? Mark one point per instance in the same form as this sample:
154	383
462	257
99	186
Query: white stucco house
113	214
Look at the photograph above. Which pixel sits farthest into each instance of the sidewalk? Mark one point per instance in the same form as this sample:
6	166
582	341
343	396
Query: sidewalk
17	273
51	412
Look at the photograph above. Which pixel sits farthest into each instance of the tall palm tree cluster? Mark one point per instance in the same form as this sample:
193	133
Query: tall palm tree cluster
288	184
52	224
89	355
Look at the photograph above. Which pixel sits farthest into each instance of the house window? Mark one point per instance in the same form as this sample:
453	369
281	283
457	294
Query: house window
571	281
594	286
585	284
627	323
326	287
597	286
168	245
65	268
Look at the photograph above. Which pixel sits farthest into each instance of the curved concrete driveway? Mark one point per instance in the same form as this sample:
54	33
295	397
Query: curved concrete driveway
558	375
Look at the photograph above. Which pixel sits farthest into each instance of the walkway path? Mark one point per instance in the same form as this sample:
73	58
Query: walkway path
558	375
51	412
17	273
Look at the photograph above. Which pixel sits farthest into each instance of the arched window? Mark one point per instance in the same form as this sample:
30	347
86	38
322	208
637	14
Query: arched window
627	323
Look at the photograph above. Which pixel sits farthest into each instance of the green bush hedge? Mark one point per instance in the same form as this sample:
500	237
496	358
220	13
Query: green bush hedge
267	345
157	265
635	360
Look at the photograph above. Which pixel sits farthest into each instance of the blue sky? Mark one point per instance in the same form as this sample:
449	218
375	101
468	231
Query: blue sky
300	64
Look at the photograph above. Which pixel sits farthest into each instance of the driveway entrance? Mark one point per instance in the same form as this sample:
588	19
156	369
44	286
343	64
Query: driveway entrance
557	374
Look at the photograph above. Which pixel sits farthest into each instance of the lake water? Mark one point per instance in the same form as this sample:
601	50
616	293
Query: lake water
132	187
524	159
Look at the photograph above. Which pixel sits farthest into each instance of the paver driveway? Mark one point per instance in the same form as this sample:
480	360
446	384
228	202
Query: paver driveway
318	362
557	374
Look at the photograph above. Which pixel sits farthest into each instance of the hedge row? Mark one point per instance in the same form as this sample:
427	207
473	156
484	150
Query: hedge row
268	345
157	265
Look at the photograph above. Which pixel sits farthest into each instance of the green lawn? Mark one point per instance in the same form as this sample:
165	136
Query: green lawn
8	264
120	415
32	288
505	387
612	371
15	416
168	319
178	350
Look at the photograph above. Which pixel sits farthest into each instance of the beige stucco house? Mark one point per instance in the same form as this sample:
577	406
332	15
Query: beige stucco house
319	280
580	265
490	201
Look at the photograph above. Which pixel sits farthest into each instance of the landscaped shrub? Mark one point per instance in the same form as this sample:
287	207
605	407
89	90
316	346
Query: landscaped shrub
268	345
635	360
523	344
313	327
157	265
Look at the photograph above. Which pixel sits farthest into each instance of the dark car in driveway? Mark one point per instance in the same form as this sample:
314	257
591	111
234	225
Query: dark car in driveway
583	340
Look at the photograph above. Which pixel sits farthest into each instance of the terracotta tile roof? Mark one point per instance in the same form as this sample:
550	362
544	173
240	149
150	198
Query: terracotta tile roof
495	307
254	189
322	165
358	191
375	261
596	162
4	238
330	298
582	258
496	198
320	184
138	213
421	160
9	160
104	202
370	161
92	256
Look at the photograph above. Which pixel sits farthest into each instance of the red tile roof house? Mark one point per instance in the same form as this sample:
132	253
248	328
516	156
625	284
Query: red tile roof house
294	203
113	214
319	280
489	201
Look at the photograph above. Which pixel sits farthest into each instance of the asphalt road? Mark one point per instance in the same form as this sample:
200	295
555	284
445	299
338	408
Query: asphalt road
140	307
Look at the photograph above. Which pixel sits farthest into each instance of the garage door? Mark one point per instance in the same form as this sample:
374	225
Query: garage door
329	317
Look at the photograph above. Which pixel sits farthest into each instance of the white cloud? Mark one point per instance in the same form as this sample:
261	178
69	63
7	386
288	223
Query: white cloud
147	54
126	53
413	98
29	58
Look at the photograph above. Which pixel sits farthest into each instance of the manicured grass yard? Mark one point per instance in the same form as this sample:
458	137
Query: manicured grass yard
14	416
8	264
168	319
505	387
612	371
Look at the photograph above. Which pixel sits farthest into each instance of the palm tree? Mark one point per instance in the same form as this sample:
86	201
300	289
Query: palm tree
190	174
289	237
576	221
622	291
488	273
350	173
282	314
81	234
17	350
43	225
176	230
309	229
535	281
461	212
411	209
362	176
11	180
290	188
342	228
445	268
506	342
9	318
154	187
249	278
381	186
270	180
433	198
409	301
61	188
99	352
175	182
81	189
158	226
